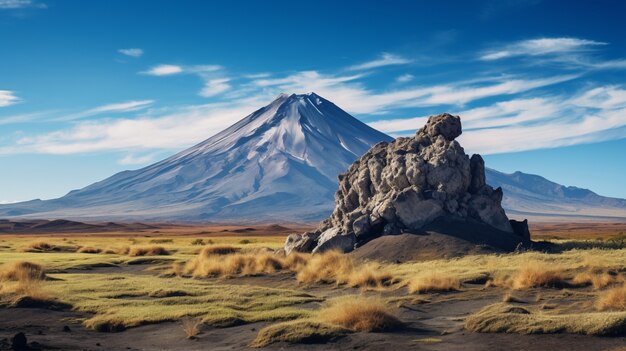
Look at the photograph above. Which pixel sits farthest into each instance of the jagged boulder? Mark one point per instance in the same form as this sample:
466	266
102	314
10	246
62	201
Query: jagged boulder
404	185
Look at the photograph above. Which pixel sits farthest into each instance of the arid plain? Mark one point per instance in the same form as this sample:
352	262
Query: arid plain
219	287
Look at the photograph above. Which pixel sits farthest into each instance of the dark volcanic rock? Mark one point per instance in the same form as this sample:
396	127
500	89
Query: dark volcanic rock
409	183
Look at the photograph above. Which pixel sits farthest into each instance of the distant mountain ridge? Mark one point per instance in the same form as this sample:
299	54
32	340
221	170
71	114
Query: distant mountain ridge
278	164
533	195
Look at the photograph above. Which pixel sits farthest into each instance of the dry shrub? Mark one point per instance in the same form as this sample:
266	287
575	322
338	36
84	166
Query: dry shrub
328	267
191	327
88	249
363	314
39	246
161	241
531	275
124	250
369	275
433	282
21	271
25	280
613	299
212	250
337	267
596	280
148	251
535	274
296	261
233	264
197	242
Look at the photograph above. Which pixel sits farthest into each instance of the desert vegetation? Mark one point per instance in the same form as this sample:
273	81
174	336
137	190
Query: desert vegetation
120	284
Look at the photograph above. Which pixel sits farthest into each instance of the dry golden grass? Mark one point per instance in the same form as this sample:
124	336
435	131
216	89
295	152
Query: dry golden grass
531	275
123	250
596	280
504	318
339	268
300	331
232	265
22	279
212	250
535	274
21	271
147	251
191	327
613	299
361	314
329	267
40	246
89	249
433	282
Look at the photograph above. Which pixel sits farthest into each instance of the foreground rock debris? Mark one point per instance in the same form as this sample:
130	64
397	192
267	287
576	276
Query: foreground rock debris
408	185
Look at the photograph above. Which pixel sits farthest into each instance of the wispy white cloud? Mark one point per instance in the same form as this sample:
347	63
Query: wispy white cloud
524	124
168	129
385	59
20	4
8	98
164	70
214	87
214	81
134	160
405	78
541	46
354	97
132	52
128	106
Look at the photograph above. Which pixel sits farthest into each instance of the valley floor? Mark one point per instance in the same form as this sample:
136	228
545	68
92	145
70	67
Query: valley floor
147	291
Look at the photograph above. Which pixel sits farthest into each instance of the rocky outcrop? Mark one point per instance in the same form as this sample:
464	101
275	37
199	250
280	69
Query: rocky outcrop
404	185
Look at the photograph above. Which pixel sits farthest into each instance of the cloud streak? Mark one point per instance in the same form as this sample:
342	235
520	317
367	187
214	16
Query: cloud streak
132	52
541	46
525	124
20	4
385	59
163	70
8	98
128	106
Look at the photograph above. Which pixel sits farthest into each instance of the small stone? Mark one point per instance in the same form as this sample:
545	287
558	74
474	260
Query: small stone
19	342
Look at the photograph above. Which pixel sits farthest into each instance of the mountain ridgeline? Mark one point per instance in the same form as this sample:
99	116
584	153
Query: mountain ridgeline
278	164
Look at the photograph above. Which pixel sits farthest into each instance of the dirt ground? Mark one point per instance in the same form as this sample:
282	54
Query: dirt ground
435	322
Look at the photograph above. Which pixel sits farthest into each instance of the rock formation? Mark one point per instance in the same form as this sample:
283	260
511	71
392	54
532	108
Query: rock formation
404	185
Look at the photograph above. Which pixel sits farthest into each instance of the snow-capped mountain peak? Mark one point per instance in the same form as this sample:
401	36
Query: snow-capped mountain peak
280	162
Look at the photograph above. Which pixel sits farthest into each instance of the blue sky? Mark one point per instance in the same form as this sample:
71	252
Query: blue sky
90	88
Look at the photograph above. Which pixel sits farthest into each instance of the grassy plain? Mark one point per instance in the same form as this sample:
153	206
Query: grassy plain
196	284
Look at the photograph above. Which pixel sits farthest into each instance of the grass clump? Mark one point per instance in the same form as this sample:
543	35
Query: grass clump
232	265
596	280
148	251
433	282
22	286
198	242
212	250
161	241
613	299
44	246
89	249
298	331
531	275
338	317
359	314
191	327
504	318
21	271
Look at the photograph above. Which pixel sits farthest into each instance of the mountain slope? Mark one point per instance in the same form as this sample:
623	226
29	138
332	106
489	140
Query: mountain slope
529	195
280	162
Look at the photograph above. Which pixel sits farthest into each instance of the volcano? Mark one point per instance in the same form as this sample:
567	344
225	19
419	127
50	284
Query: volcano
279	163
